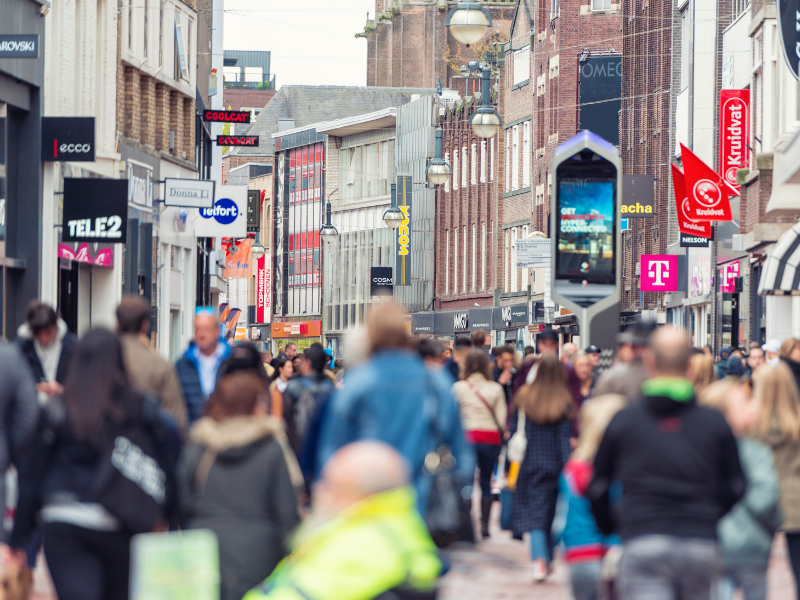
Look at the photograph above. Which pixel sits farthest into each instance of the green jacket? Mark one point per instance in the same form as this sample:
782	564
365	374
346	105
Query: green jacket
376	545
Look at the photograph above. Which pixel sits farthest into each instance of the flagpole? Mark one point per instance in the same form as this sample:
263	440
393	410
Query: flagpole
714	310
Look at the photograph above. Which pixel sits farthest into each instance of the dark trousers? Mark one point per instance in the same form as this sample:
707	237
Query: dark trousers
793	542
86	564
487	458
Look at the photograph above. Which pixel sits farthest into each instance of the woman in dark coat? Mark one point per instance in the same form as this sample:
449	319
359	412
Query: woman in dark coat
237	477
548	408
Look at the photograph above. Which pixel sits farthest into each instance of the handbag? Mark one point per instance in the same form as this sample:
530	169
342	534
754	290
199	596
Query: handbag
518	444
448	515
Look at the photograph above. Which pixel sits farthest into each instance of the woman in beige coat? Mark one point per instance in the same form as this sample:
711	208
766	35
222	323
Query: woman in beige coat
482	404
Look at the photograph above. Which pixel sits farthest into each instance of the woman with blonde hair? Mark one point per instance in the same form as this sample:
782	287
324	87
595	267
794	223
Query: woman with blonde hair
584	543
701	372
545	410
779	426
789	355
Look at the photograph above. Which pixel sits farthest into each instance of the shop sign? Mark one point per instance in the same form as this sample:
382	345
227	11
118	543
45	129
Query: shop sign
705	190
297	329
191	193
659	273
101	255
403	240
460	321
95	210
140	188
19	46
694	241
226	116
533	253
237	140
637	196
686	225
734	134
789	26
480	318
67	139
228	216
264	289
504	317
728	274
381	282
422	323
238	260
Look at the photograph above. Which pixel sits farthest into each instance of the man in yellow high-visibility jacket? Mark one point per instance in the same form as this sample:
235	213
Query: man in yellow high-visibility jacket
364	538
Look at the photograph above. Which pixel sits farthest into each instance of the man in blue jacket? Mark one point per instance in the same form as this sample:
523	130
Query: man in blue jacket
395	399
199	365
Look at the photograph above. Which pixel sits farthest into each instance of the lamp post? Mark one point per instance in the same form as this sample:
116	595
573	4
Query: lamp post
468	22
485	121
394	216
438	171
328	232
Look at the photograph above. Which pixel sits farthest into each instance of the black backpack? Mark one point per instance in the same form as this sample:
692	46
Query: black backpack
300	414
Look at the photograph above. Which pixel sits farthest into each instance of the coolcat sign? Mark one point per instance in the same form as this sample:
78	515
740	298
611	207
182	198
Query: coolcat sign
734	133
228	216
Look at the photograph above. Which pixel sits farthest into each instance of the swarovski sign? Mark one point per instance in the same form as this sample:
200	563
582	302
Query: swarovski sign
192	193
19	46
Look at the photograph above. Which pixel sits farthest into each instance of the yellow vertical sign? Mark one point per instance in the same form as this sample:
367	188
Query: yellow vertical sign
403	243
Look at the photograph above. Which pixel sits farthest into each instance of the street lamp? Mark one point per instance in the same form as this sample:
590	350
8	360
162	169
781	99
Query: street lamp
438	171
394	216
328	232
257	251
485	121
468	22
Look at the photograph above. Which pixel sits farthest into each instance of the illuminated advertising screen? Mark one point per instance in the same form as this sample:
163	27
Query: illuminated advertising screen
585	251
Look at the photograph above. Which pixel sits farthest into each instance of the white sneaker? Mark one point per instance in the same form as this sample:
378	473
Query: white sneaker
539	570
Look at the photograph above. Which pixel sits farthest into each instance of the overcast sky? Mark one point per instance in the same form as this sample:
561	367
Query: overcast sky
311	41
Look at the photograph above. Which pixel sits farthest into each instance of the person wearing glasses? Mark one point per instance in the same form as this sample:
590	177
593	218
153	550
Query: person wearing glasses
199	365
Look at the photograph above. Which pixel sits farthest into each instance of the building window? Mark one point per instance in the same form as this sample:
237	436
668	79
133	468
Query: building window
491	169
464	167
507	261
483	255
508	160
189	47
447	181
522	65
464	262
525	272
474	255
146	10
181	67
474	165
553	9
447	263
526	154
368	170
455	169
515	158
483	161
161	35
130	24
455	260
601	5
513	267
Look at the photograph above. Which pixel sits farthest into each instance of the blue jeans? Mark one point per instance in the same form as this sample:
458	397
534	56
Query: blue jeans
584	578
541	546
751	580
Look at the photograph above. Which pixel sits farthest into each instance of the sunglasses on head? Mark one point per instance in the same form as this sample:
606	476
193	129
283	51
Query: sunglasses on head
205	310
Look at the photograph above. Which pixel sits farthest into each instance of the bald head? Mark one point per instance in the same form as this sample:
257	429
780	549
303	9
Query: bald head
671	350
568	352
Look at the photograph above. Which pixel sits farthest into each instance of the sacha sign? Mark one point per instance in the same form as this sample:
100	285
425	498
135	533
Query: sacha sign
226	116
734	133
237	140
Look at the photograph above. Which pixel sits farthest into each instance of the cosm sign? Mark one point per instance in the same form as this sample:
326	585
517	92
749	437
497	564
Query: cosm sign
734	133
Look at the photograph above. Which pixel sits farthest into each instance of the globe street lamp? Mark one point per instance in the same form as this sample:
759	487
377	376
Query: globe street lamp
438	171
328	232
394	216
485	121
468	22
257	251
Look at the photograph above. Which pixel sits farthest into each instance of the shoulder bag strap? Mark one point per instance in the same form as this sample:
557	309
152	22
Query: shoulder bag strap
486	404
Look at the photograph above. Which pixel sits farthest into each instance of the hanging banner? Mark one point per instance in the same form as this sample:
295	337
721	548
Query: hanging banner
264	289
95	210
734	134
239	260
728	274
228	216
789	26
659	272
403	241
705	190
685	224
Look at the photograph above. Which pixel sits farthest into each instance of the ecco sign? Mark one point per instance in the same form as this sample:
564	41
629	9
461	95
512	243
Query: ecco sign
227	218
19	46
95	210
226	116
68	139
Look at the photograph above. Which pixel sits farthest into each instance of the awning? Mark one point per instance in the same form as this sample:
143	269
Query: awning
781	271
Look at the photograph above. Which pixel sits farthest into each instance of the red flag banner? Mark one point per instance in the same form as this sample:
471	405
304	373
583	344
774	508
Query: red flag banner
705	190
734	134
685	224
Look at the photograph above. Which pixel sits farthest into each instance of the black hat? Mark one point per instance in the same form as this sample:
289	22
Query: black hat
592	350
637	333
547	334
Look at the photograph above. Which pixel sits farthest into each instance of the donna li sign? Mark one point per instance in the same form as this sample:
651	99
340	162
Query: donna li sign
95	210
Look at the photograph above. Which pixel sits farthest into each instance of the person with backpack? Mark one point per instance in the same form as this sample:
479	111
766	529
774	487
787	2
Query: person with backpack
100	471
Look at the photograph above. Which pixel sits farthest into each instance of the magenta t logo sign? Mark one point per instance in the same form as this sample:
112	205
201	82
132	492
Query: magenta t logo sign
659	273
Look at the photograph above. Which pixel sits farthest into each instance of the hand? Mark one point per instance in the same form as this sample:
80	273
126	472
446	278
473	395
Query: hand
505	377
13	556
50	388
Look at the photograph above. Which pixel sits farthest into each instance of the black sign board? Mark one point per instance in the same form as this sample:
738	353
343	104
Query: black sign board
480	318
237	140
19	46
693	241
381	282
505	317
422	323
226	116
2	140
95	210
600	96
637	196
253	210
68	139
789	20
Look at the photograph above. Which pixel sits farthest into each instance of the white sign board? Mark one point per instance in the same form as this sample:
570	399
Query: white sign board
191	193
533	253
228	216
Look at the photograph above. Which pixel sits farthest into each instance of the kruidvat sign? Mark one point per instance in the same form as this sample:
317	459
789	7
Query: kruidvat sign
95	210
19	46
226	116
68	139
659	273
403	241
237	140
734	134
191	193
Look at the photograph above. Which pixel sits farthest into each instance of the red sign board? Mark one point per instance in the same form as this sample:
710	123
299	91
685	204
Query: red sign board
728	274
685	224
264	289
226	116
297	329
707	194
237	140
659	273
734	134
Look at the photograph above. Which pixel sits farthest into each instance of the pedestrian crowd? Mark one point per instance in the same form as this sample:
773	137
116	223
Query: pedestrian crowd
666	474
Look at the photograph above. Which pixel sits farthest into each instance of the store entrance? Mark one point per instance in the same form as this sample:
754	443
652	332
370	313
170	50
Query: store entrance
68	294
